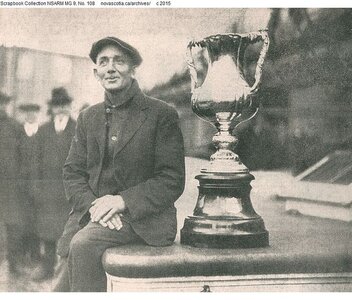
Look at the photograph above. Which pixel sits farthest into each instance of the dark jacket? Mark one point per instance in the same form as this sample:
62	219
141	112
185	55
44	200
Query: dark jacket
12	138
49	196
148	167
25	192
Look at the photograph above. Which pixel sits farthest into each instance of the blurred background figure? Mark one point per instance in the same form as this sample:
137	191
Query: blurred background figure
53	141
13	211
29	115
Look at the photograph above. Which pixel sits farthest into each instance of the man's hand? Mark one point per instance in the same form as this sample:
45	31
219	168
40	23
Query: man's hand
113	223
105	207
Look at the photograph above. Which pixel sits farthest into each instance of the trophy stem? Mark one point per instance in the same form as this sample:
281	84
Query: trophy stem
224	160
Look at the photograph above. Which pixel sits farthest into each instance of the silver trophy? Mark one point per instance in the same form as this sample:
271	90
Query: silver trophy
224	216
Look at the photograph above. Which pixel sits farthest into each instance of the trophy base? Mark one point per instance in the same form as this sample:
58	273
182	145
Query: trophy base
225	162
205	233
224	216
226	169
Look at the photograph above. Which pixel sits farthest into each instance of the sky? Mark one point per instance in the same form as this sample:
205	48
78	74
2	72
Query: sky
161	35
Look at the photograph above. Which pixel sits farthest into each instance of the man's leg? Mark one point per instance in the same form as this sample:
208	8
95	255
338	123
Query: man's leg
15	253
62	283
85	269
32	246
49	257
47	264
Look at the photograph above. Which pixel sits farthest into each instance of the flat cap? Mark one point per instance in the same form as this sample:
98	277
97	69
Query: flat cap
110	40
4	98
29	107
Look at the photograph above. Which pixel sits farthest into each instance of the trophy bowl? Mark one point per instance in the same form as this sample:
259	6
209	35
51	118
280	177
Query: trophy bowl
224	216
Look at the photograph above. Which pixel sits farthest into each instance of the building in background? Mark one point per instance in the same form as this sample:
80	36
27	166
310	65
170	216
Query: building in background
29	75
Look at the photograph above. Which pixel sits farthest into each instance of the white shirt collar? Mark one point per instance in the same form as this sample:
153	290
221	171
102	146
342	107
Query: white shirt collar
60	123
31	128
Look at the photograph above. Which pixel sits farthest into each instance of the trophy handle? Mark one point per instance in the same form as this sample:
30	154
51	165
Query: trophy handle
253	38
191	64
192	67
246	119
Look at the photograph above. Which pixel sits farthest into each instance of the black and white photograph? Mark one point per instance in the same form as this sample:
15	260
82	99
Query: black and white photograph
175	149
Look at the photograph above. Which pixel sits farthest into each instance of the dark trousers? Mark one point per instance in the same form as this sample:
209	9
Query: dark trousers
32	245
20	243
83	271
48	258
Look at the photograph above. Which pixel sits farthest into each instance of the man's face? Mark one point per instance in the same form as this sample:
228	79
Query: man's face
114	69
31	116
62	110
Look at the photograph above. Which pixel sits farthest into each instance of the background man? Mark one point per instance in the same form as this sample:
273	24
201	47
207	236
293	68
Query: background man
52	146
29	112
30	116
124	171
13	212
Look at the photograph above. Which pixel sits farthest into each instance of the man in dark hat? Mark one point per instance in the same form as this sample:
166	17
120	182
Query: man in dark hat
124	171
12	212
52	146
